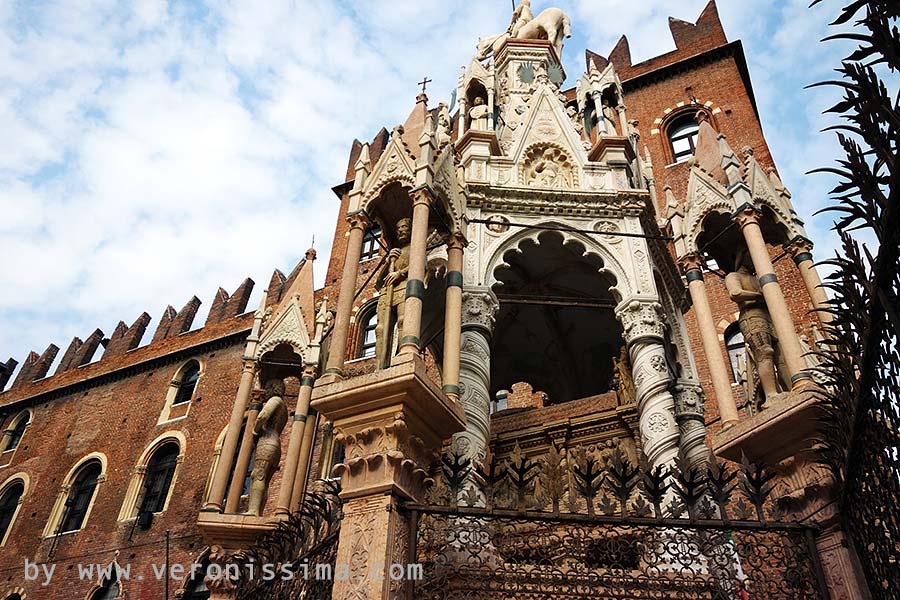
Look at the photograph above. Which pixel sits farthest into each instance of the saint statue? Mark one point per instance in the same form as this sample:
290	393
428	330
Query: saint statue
443	125
391	283
622	370
267	432
756	326
478	115
521	16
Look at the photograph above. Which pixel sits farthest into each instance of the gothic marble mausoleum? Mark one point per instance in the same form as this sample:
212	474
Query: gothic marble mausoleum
565	323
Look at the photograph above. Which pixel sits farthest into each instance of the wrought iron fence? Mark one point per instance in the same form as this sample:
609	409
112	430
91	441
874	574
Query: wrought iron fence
306	541
589	526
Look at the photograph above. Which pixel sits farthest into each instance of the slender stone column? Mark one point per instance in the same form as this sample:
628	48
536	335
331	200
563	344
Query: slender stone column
453	315
479	313
218	490
292	461
415	283
748	219
359	222
598	109
644	333
623	119
300	477
243	460
718	371
801	251
491	125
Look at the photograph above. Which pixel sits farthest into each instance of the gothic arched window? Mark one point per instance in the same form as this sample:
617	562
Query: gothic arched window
737	352
370	243
80	497
158	480
109	589
9	504
17	430
187	383
682	134
368	322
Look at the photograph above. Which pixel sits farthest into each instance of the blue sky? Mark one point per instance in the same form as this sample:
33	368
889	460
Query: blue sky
155	150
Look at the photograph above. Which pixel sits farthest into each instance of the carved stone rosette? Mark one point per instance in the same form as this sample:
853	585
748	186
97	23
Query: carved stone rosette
480	308
644	333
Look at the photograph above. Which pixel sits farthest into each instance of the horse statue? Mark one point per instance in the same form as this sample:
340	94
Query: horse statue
551	24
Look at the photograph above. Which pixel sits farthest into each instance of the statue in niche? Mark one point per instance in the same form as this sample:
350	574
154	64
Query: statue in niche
443	125
267	432
391	283
622	370
609	116
522	15
763	354
478	115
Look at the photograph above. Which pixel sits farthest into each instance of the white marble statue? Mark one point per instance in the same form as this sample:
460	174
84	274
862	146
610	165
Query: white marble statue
551	24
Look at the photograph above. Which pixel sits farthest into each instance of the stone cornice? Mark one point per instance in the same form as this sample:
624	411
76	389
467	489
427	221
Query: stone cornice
569	202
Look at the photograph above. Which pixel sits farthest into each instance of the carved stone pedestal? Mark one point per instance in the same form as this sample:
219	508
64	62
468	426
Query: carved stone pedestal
392	424
779	431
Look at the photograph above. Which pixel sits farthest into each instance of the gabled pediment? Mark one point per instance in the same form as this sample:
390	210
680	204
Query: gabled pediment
286	326
764	193
447	185
396	164
705	195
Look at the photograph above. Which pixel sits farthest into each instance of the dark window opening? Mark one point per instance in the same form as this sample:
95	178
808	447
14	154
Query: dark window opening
80	497
15	435
196	588
370	244
9	502
109	590
187	383
683	138
160	471
737	352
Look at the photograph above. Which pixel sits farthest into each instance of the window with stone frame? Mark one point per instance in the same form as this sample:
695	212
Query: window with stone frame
187	383
9	504
682	133
109	589
370	243
17	430
80	497
158	478
368	322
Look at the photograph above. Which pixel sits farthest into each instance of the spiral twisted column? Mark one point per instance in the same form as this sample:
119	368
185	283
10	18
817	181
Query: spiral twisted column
479	312
644	329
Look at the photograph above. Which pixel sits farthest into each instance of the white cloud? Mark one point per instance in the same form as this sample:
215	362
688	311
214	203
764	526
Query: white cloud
160	150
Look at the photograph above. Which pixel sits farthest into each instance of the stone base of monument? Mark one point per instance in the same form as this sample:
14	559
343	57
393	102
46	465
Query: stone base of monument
787	425
233	533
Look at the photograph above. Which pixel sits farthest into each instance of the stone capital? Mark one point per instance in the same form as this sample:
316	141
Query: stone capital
479	308
746	214
689	400
456	240
800	249
642	320
422	195
359	220
691	262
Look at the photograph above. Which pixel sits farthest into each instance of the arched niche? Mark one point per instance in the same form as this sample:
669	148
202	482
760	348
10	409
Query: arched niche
720	238
556	329
282	362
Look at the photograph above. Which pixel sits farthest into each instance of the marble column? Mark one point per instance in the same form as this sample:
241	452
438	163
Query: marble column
644	332
217	490
691	423
598	110
242	465
479	312
359	222
292	460
712	350
415	283
453	316
301	475
789	343
801	252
